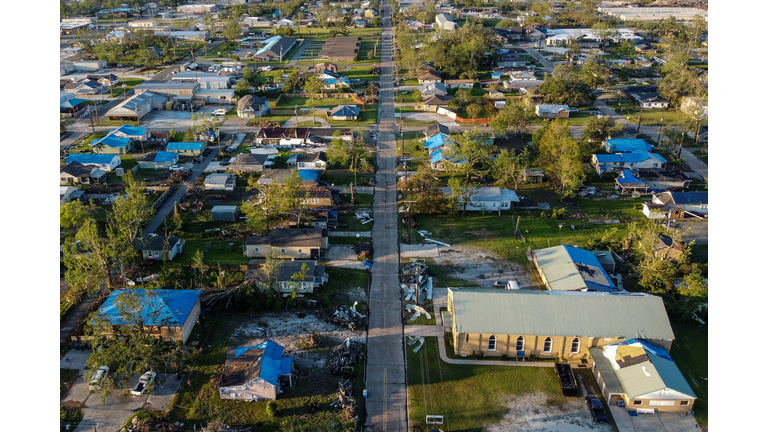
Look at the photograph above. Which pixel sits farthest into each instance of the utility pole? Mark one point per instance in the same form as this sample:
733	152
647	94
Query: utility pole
296	114
658	137
639	119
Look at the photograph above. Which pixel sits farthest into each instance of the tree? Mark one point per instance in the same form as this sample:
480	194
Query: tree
297	279
423	193
507	23
293	195
474	110
473	149
462	191
598	129
507	166
89	259
348	153
248	74
147	57
560	157
565	90
656	272
72	216
594	73
313	85
131	211
199	264
242	88
232	30
464	95
678	81
417	96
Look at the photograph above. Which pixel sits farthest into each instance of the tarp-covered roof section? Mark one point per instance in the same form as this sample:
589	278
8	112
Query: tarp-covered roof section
158	307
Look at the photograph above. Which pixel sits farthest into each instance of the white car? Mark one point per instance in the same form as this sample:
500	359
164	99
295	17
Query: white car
220	111
100	374
177	168
145	381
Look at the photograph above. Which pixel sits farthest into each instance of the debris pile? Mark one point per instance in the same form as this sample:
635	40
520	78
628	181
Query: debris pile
417	281
417	311
408	221
193	200
364	251
345	355
348	317
363	217
412	340
344	400
178	176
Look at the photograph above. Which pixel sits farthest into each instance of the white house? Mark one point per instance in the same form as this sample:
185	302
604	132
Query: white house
444	22
156	248
604	163
224	182
552	111
488	198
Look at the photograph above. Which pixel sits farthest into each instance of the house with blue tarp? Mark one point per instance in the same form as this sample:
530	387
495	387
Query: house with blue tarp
568	268
255	373
604	163
186	148
168	314
132	132
642	377
159	160
106	162
616	145
112	144
437	141
626	182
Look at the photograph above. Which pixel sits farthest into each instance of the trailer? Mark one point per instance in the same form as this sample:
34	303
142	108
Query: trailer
567	380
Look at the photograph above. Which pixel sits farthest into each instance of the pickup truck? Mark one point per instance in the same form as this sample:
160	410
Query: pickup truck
145	381
596	409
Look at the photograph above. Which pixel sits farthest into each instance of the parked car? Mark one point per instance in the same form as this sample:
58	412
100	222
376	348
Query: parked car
145	381
98	377
506	284
220	111
596	409
177	168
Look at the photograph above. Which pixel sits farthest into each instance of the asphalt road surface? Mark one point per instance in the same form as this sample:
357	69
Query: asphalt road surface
386	405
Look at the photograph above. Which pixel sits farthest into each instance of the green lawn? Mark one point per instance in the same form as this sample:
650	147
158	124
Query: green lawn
340	281
690	352
129	82
359	72
361	199
225	251
349	223
221	50
469	397
368	117
66	378
291	102
597	208
651	117
422	320
344	177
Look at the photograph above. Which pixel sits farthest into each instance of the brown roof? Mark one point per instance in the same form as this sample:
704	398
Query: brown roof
76	169
429	74
460	81
437	100
242	369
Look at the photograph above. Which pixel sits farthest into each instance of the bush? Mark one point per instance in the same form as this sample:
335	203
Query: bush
272	408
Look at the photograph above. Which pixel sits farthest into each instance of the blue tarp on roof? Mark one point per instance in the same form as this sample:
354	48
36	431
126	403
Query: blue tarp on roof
269	43
112	141
90	158
649	347
626	178
438	156
71	103
184	146
627	145
613	158
438	140
131	130
272	362
309	175
161	306
587	257
292	157
164	156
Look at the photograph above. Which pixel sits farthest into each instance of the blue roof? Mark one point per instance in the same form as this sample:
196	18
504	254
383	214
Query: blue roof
164	156
438	140
627	177
615	157
587	257
131	130
269	43
657	350
273	364
161	306
72	103
437	156
292	157
627	145
112	141
90	158
309	175
184	146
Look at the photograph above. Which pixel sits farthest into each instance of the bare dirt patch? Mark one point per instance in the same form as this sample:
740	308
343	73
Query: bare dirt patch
482	267
293	332
534	412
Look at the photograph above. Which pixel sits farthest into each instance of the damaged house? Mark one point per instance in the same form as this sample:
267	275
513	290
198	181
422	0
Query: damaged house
305	244
287	281
255	373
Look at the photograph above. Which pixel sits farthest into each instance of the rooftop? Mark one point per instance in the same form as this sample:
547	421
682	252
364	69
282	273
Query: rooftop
568	268
157	307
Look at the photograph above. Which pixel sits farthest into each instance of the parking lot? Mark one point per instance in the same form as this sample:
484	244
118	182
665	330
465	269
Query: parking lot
162	119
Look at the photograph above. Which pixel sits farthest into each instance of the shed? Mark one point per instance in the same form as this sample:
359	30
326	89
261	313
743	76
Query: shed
224	213
220	182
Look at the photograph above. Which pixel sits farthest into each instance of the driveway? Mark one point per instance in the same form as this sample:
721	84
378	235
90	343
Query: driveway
659	422
427	117
121	404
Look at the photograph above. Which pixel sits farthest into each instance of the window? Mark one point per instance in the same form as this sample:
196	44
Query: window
301	251
466	339
520	344
637	402
683	403
255	250
548	345
282	251
492	343
575	345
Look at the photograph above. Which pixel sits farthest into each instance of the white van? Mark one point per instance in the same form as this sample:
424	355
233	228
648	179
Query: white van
98	377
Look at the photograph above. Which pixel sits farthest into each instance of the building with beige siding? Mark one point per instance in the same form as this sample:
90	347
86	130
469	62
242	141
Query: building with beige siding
552	324
288	243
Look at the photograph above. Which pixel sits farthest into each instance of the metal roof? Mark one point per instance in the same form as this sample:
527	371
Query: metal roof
91	158
224	208
160	156
219	179
136	102
437	128
245	364
346	111
161	306
551	313
644	369
184	146
568	268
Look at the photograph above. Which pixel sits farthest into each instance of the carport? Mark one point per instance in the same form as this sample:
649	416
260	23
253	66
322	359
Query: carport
606	377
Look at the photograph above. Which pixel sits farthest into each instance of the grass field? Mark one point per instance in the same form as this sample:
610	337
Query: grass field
340	281
651	117
469	397
218	252
361	199
129	84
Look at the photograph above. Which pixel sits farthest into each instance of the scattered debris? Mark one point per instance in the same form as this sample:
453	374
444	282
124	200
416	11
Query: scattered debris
435	241
364	251
424	233
363	217
345	355
348	317
193	200
543	206
408	221
417	311
413	341
344	400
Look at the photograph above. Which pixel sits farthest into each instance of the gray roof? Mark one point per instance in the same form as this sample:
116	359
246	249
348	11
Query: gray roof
549	313
248	159
567	269
437	128
76	169
681	198
138	101
224	208
158	243
219	179
160	85
250	101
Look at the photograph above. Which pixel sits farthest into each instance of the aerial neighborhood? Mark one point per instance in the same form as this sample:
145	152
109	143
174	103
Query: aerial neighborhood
370	215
